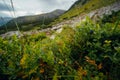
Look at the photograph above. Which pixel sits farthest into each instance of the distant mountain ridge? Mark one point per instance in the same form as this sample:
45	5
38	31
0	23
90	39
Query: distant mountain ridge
4	20
33	20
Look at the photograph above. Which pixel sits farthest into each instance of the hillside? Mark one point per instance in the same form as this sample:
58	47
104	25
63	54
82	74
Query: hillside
95	15
78	3
85	6
30	22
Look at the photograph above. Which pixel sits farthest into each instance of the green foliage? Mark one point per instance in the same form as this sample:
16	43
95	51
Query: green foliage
97	46
115	16
91	51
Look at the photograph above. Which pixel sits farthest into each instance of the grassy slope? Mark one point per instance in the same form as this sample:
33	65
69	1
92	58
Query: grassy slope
89	6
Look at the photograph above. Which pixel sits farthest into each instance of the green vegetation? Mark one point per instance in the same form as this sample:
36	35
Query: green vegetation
79	9
91	51
111	18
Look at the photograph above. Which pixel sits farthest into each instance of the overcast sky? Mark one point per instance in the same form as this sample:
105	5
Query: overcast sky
32	7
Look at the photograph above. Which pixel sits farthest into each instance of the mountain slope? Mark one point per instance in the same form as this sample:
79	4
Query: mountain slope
85	6
29	22
79	3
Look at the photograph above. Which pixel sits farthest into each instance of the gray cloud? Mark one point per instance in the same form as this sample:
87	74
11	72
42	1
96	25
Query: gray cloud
49	2
3	14
50	5
5	7
29	7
